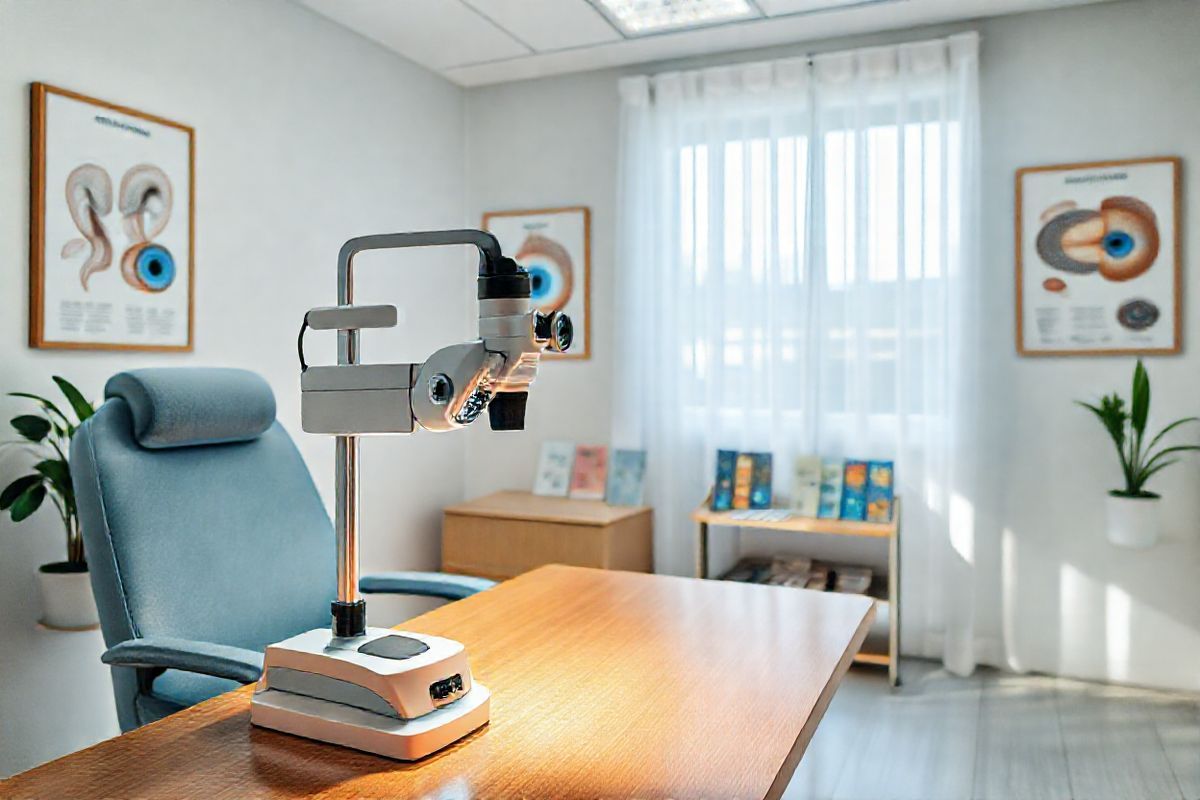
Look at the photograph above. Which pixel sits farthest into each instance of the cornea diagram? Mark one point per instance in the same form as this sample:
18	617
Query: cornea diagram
1118	242
144	202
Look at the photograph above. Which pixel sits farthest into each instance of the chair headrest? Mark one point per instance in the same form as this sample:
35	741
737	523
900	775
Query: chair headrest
190	406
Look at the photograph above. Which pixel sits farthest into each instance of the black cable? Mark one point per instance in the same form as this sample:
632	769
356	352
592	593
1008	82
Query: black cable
300	343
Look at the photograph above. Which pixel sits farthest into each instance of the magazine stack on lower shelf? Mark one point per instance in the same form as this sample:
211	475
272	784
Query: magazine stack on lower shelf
826	576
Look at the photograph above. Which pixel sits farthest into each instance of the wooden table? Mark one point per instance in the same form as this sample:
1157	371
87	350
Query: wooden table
605	684
505	534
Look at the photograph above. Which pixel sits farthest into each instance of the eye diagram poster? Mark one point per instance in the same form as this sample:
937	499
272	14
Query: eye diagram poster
111	255
554	245
1098	266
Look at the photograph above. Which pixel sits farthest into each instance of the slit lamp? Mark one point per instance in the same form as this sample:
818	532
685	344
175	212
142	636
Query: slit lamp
399	694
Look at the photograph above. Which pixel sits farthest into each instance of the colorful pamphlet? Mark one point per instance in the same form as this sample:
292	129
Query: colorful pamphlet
880	491
553	477
760	481
854	491
806	486
831	488
590	472
722	498
626	474
742	475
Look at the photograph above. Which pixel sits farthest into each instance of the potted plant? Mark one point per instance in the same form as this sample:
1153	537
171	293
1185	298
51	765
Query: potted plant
67	601
1133	518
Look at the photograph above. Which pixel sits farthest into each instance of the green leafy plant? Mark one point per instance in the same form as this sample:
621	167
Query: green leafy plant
48	434
1127	427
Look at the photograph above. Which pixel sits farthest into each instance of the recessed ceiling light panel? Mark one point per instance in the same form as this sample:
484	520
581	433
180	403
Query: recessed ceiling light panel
640	17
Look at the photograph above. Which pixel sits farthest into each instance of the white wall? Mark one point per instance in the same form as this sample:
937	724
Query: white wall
305	135
545	144
1071	602
1094	82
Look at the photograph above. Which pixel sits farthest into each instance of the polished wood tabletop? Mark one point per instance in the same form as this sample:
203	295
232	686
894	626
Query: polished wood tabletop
605	684
538	508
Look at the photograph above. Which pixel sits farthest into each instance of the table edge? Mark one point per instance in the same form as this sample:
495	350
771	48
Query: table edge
788	769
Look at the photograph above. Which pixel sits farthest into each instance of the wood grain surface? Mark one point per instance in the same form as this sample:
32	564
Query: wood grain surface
506	534
605	684
799	524
529	506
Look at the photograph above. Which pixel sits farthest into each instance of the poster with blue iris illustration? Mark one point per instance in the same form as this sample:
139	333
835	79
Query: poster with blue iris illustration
1098	261
554	246
111	226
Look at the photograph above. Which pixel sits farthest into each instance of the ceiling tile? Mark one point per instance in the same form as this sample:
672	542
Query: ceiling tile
438	34
549	24
490	41
774	8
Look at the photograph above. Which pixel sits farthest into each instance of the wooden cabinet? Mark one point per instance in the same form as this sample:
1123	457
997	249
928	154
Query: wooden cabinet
507	533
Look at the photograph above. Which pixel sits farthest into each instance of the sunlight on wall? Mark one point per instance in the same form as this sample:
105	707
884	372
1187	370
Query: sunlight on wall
1009	593
1118	621
962	527
1081	614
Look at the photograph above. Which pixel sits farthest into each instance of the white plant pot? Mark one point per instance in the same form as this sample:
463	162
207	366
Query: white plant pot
67	602
1133	521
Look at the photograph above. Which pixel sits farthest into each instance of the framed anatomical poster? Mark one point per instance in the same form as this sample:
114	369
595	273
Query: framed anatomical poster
111	226
1098	258
554	245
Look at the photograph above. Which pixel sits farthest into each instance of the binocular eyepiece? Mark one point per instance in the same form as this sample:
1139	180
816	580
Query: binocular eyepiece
555	329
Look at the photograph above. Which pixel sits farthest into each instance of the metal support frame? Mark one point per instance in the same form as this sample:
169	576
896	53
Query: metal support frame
346	456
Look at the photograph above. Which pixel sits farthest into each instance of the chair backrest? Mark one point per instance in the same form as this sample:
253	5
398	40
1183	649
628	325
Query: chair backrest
199	517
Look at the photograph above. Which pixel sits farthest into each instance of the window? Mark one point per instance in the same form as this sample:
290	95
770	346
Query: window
753	224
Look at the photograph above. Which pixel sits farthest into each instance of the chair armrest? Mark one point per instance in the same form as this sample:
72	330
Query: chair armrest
206	658
426	584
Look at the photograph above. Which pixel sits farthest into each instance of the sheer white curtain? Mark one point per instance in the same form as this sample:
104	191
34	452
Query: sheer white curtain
796	273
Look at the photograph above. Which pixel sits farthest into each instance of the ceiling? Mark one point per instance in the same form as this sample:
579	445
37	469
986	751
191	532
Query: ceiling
477	42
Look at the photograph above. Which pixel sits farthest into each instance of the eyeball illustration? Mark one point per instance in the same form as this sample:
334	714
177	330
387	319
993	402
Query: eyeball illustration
1137	314
145	203
550	273
148	266
1120	241
1130	240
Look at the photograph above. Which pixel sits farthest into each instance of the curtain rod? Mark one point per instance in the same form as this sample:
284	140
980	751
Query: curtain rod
811	57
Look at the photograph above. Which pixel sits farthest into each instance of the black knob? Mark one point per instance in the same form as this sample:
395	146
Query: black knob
441	389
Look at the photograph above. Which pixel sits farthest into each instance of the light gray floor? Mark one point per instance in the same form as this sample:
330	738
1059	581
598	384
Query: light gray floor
996	736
